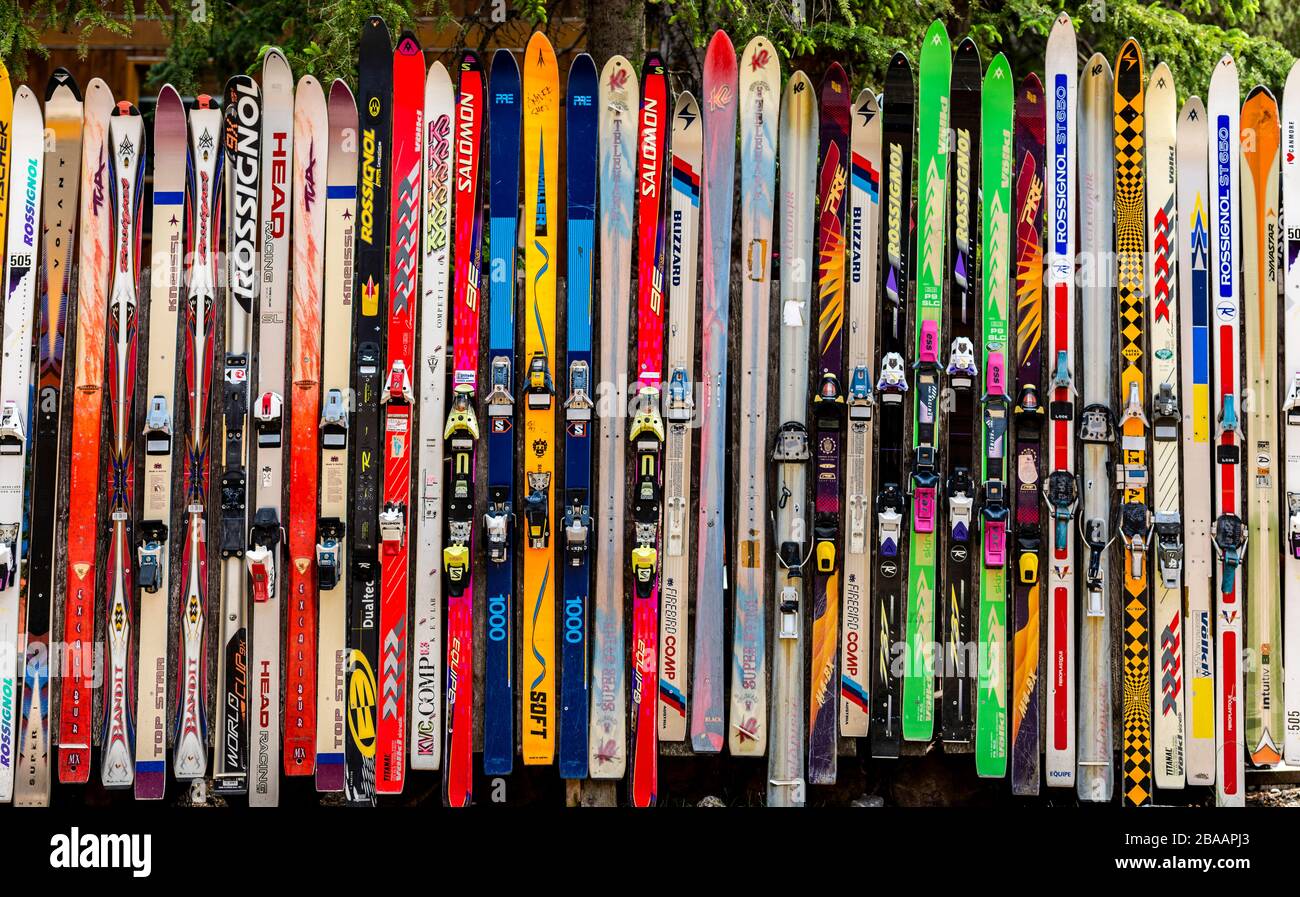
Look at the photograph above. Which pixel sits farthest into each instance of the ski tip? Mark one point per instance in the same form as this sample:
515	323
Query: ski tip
1130	55
721	53
836	81
968	48
617	74
61	79
150	784
375	25
341	93
1260	90
470	61
166	96
866	102
900	64
583	66
504	58
309	84
407	45
937	35
539	49
653	64
1032	87
1193	110
274	63
1098	66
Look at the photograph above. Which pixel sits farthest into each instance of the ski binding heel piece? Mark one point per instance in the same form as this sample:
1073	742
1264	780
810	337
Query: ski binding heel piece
928	351
13	434
824	532
1228	452
540	388
578	405
1230	538
397	388
328	552
889	520
8	569
1134	524
893	378
924	487
1169	548
455	560
577	526
497	523
1094	536
789	613
995	515
961	363
499	401
861	400
392	527
153	536
1164	412
643	569
1062	496
536	509
1293	522
268	416
1291	405
961	504
158	428
1062	409
334	421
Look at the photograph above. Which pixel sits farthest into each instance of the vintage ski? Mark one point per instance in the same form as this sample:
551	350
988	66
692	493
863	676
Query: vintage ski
23	181
679	412
932	164
461	435
541	221
153	543
720	87
1060	485
997	160
798	142
1229	531
335	375
1290	256
957	453
62	173
435	250
607	752
1030	134
375	85
205	216
310	163
504	121
1162	275
1193	262
760	85
77	689
580	174
646	435
1095	775
267	488
897	138
11	511
398	398
828	411
1260	140
859	451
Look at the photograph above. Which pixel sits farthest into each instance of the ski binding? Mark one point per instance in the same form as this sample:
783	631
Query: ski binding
1169	547
1058	410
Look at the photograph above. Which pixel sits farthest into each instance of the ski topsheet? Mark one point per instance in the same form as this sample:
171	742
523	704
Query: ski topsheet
21	272
859	459
331	530
1162	275
8	594
62	173
541	95
760	86
997	150
932	174
82	571
205	217
607	753
1290	256
1060	487
435	271
375	84
957	452
679	411
897	138
461	435
1192	231
798	142
1260	141
719	88
1095	774
267	487
504	121
153	545
828	414
310	161
580	193
646	434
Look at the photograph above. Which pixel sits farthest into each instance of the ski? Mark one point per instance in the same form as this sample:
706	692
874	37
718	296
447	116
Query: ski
435	248
1290	436
335	373
1061	486
957	453
504	121
77	692
859	460
580	172
790	453
205	214
1095	775
375	86
932	163
646	435
153	543
760	86
1260	141
8	536
683	258
1030	135
398	398
23	183
898	143
263	554
1162	275
62	174
996	164
607	752
828	411
720	86
310	164
461	435
1193	262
